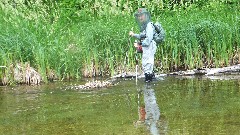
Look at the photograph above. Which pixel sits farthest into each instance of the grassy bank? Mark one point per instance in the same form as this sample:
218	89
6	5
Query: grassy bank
75	43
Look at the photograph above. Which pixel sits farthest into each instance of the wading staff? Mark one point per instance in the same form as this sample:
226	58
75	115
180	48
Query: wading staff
136	60
136	70
138	90
138	50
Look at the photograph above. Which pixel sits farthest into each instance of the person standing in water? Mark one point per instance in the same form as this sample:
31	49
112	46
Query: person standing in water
147	44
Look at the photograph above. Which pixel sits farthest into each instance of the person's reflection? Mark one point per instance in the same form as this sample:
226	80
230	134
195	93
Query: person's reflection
151	108
148	110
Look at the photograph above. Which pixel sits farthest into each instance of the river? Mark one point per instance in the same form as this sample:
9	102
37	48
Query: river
171	105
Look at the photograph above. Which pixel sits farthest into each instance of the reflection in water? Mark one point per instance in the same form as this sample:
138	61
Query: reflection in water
149	112
151	109
188	106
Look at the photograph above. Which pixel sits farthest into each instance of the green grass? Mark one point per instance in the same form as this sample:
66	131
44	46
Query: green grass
76	43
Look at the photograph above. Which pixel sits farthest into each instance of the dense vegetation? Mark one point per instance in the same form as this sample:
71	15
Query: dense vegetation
78	37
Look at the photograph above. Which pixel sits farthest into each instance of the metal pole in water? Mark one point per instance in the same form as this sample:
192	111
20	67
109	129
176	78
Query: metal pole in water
136	59
139	113
136	73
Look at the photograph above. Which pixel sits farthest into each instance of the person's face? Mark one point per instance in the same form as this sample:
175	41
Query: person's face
141	17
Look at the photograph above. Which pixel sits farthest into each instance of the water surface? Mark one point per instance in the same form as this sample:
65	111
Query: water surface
172	106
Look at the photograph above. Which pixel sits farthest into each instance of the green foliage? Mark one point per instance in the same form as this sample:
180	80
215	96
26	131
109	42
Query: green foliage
79	37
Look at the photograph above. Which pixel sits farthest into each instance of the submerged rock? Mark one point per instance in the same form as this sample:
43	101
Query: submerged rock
94	84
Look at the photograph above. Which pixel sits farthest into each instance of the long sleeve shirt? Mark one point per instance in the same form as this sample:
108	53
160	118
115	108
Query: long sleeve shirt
147	34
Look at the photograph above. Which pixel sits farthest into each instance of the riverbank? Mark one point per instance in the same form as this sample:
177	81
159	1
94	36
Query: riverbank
26	75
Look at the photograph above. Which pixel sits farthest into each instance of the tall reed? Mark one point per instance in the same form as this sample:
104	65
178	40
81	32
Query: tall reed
74	41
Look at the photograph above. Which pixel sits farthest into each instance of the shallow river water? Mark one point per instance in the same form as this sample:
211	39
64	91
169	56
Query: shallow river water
170	106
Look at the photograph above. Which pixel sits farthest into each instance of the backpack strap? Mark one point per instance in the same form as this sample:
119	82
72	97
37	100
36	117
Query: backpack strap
153	25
